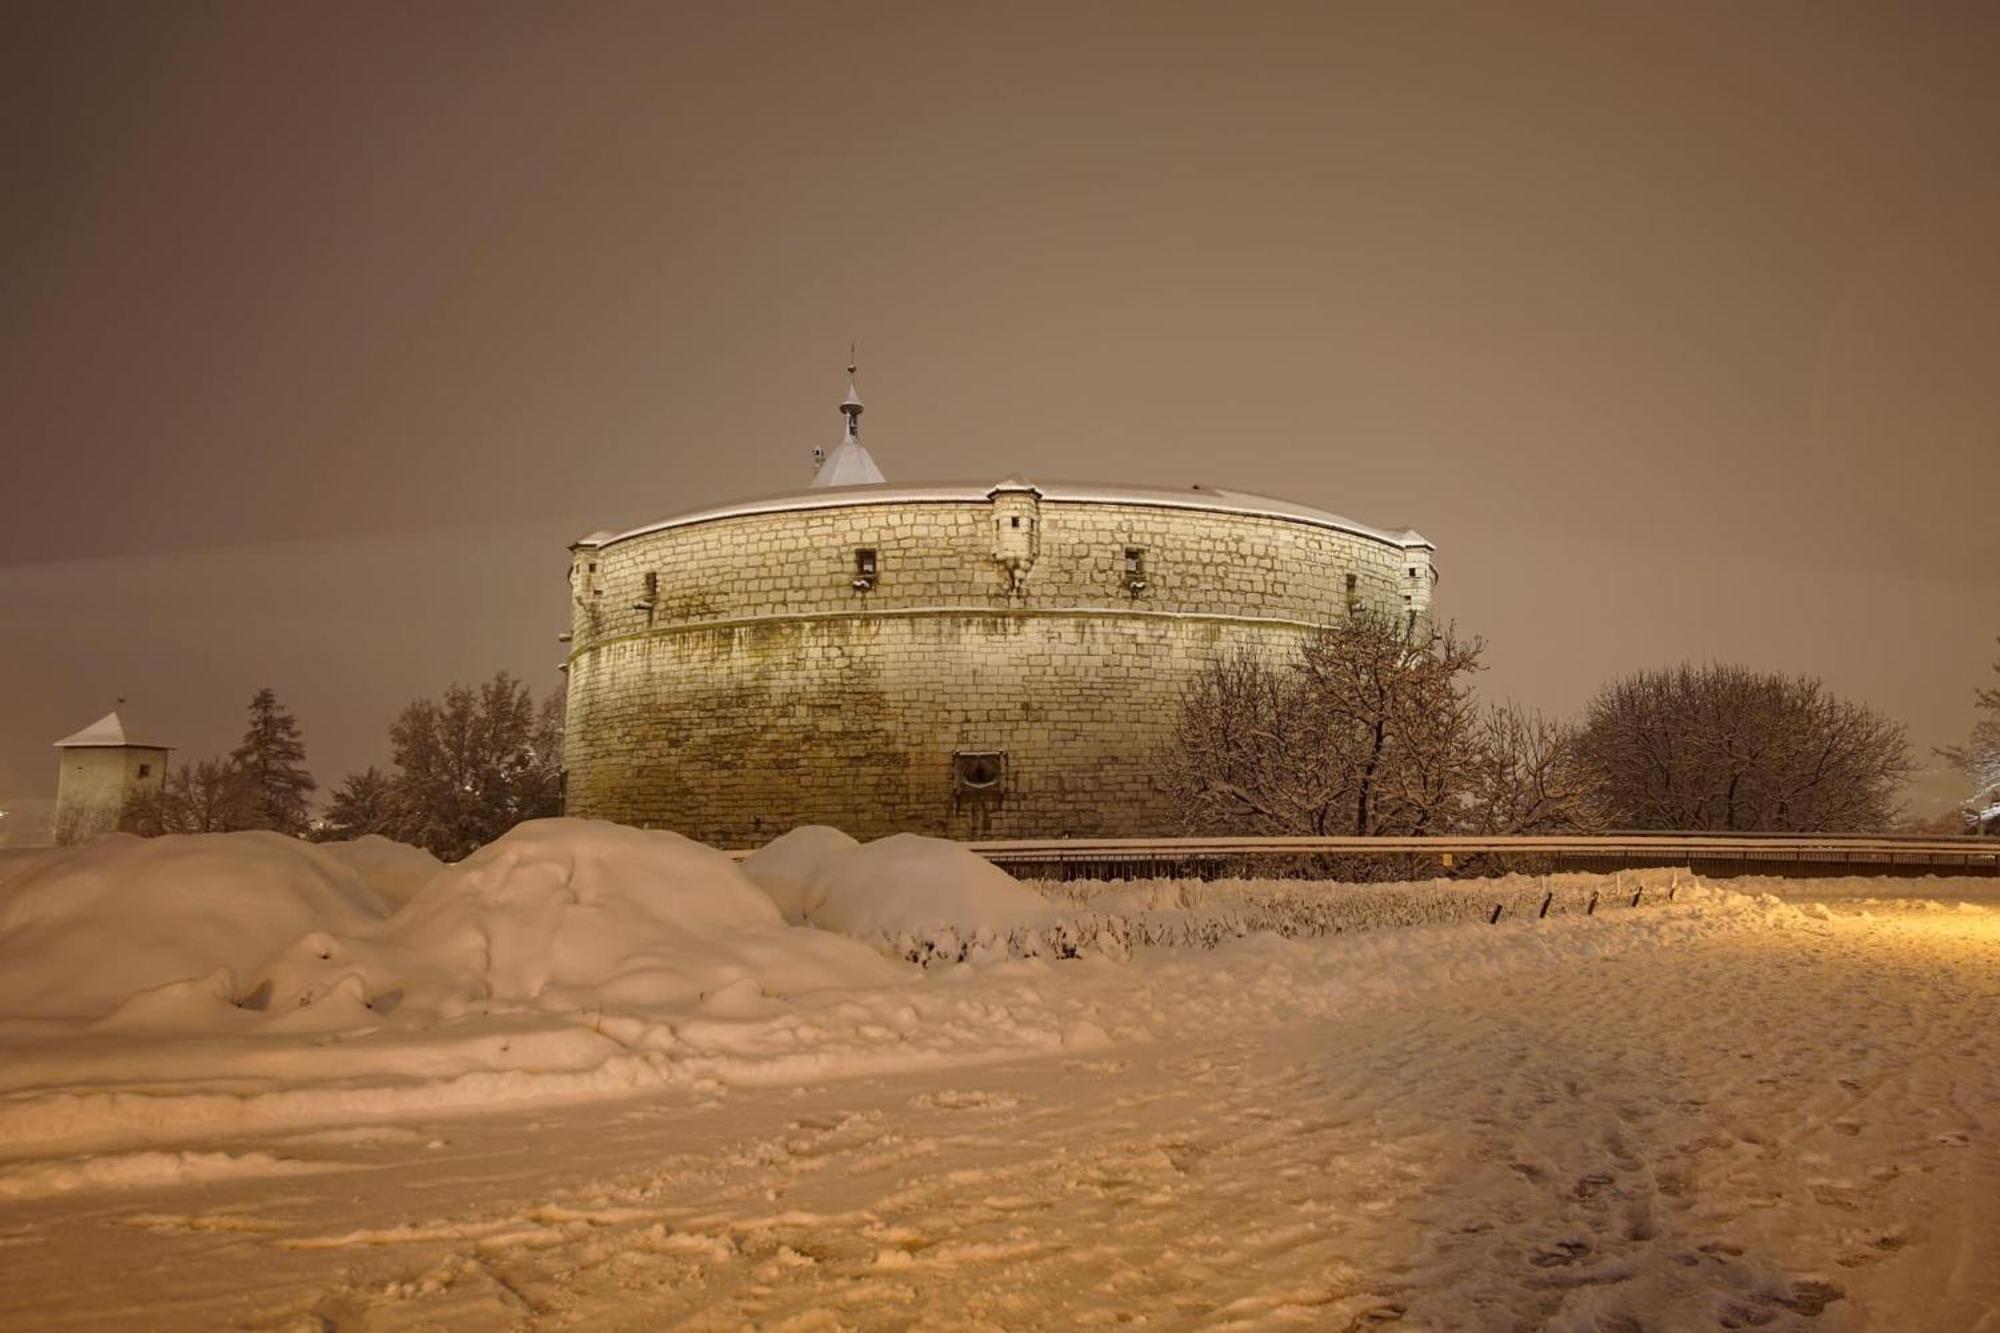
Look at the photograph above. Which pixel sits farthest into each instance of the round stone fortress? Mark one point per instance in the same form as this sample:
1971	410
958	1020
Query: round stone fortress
976	659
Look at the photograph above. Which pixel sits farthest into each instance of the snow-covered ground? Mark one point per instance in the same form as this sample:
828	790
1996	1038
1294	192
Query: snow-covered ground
599	1078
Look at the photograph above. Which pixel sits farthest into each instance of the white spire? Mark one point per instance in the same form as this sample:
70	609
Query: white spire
849	463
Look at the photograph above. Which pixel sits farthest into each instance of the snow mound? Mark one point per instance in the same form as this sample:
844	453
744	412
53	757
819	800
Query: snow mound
393	869
567	914
910	883
84	928
784	867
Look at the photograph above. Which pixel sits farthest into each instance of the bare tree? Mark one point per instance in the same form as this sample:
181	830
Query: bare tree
1367	730
1529	776
1727	748
1252	756
209	796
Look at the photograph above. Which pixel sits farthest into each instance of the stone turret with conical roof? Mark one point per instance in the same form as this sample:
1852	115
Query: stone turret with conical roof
849	463
103	769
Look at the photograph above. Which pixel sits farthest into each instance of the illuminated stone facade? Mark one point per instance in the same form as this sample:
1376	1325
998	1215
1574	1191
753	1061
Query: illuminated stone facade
997	660
102	770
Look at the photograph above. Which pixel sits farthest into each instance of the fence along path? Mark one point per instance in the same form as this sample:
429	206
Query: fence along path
1706	853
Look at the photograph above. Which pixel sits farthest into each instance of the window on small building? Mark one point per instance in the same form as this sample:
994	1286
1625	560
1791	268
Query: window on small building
864	568
1353	598
1014	520
145	770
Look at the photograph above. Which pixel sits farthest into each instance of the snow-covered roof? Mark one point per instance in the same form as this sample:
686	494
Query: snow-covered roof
848	465
832	494
107	730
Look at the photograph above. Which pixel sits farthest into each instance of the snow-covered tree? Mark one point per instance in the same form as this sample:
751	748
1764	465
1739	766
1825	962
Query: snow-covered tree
1368	730
364	803
474	763
1529	776
1979	757
1729	749
208	796
272	762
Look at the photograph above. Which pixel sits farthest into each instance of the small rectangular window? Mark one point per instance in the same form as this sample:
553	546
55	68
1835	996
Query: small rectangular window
864	568
1015	520
1135	570
145	770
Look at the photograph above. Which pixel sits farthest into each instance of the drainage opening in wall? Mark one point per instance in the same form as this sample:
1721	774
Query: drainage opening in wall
978	785
978	772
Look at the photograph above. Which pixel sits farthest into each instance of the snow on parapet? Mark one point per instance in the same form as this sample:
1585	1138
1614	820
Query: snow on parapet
831	494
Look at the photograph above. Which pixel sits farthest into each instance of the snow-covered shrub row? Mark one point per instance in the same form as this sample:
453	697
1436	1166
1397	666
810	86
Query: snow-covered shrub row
1918	892
1196	912
929	901
1112	919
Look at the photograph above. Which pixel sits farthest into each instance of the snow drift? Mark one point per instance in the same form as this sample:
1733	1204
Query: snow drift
395	870
83	928
902	884
784	867
567	914
559	915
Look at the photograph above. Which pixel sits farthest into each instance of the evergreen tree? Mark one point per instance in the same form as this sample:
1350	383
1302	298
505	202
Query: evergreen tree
365	803
272	761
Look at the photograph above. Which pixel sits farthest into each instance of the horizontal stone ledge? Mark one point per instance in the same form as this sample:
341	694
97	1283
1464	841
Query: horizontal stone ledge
954	612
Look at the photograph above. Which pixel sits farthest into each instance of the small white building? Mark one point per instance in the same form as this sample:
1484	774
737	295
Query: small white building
103	769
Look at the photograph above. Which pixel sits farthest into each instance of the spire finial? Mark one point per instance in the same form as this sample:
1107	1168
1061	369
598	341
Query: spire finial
850	406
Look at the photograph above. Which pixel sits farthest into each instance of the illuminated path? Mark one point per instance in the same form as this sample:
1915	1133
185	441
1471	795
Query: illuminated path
1750	1121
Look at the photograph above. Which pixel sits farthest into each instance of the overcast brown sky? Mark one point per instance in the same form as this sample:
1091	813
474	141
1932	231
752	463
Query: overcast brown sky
324	327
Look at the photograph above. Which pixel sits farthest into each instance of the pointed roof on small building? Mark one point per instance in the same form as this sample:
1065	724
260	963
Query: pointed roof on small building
109	730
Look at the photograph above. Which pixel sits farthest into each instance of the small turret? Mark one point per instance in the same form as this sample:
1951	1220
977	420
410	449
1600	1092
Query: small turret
849	463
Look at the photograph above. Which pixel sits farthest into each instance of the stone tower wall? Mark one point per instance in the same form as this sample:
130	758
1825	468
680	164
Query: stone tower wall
729	679
95	781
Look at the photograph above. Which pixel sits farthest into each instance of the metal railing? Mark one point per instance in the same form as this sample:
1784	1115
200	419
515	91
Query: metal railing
1703	853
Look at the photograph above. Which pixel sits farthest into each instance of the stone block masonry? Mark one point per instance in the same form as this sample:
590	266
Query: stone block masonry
1005	664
